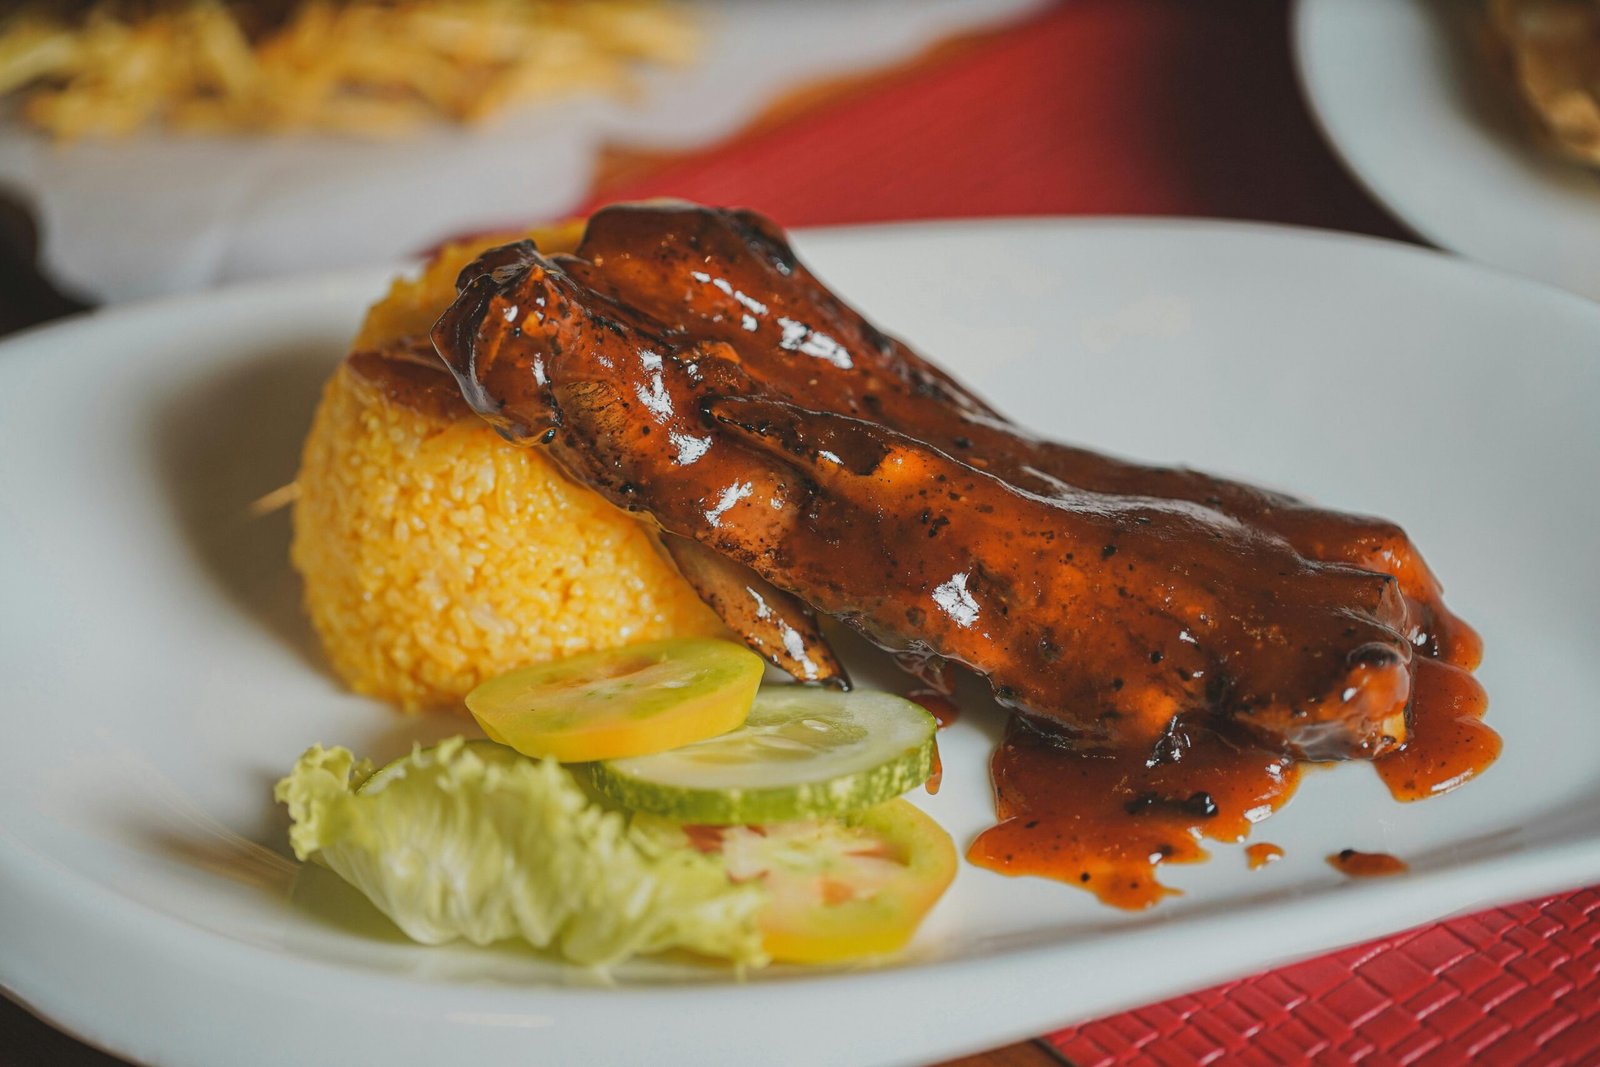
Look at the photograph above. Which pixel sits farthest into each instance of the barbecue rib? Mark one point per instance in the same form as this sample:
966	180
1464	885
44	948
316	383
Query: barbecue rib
684	364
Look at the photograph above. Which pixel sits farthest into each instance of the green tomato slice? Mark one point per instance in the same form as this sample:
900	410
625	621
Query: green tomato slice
892	865
621	702
801	754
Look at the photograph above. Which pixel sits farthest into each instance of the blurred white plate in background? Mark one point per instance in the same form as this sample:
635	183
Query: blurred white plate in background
1406	92
163	214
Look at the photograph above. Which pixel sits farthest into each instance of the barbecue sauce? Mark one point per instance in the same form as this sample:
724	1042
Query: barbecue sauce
937	704
409	374
1104	820
1262	853
1449	744
683	363
1105	600
1366	864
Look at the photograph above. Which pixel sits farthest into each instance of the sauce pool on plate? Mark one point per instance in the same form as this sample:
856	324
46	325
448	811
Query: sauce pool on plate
1105	820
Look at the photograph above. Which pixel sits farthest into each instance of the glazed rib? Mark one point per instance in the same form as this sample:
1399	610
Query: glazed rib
657	259
684	364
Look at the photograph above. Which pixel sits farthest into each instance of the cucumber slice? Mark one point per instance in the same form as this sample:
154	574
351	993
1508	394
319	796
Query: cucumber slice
801	754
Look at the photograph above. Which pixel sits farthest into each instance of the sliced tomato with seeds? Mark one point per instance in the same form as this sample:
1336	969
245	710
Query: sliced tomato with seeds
839	890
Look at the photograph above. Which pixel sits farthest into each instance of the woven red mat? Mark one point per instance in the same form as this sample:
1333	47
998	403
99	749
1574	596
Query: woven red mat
1169	107
1513	985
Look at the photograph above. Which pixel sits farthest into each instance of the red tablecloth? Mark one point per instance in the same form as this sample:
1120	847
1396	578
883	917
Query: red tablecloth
1169	107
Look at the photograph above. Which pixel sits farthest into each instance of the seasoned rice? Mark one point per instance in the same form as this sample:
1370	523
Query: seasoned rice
436	555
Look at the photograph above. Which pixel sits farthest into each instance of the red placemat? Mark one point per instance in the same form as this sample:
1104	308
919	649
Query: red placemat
1169	107
1513	985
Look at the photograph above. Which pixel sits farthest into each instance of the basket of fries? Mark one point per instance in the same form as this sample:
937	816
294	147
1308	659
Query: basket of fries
105	68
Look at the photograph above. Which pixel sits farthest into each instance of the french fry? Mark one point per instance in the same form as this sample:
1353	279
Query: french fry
1553	52
109	68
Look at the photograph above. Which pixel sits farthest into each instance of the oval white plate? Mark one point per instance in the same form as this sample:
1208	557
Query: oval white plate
158	677
1404	93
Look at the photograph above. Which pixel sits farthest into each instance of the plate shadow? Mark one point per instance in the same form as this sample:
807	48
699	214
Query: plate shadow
225	440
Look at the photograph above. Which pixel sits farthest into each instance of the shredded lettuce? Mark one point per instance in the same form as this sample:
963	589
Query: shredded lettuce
472	840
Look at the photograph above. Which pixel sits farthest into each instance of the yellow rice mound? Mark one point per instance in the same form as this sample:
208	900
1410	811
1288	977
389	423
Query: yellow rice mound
436	555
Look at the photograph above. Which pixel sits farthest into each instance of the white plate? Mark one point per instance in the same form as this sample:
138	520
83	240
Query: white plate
1404	91
158	677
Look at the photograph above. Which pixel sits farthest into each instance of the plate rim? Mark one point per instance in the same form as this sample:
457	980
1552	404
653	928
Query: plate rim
376	276
1305	23
1302	31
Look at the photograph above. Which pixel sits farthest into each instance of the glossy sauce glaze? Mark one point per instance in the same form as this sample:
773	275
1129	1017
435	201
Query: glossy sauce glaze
940	705
1449	743
684	364
1261	854
1366	864
408	373
1105	820
1173	643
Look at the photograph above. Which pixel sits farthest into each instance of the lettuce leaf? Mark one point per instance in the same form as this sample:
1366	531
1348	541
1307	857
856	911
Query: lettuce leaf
473	840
